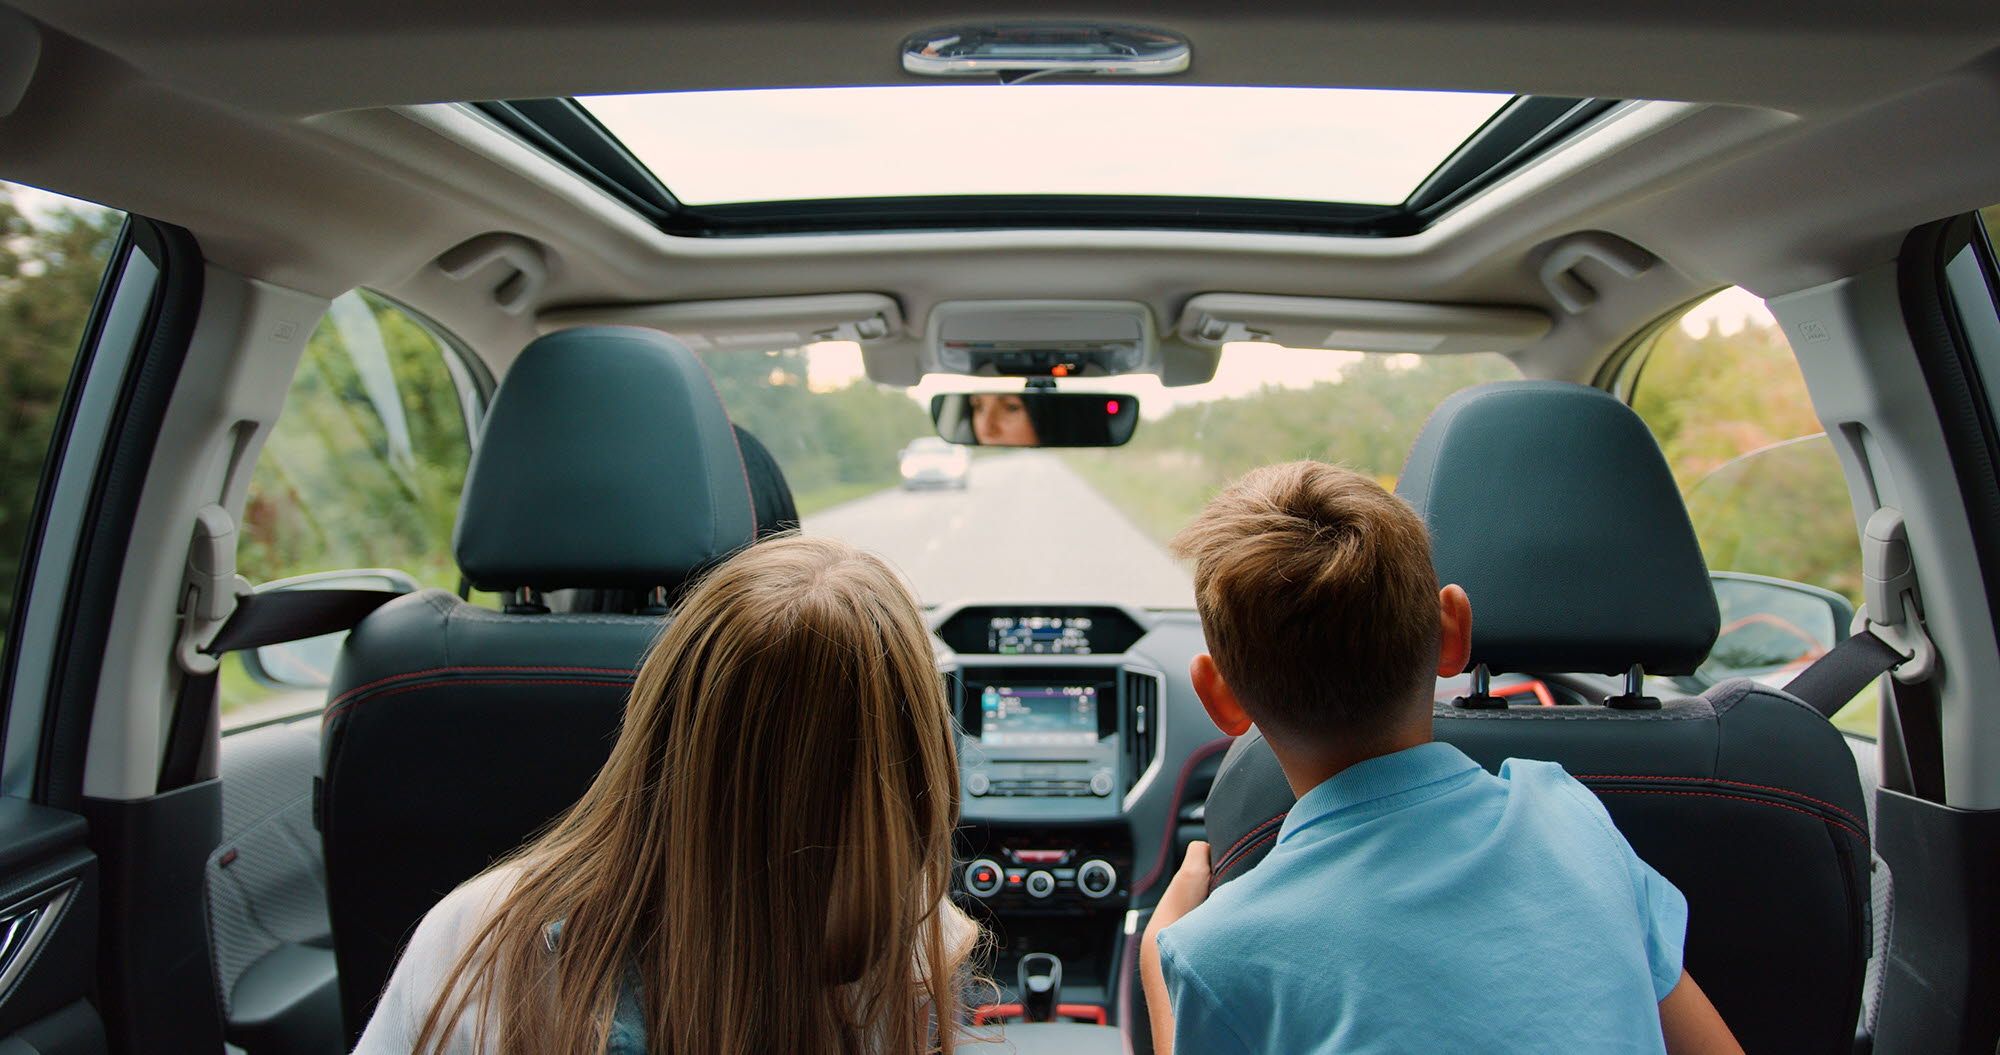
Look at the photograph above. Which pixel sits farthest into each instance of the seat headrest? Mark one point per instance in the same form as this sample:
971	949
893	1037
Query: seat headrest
607	461
1553	506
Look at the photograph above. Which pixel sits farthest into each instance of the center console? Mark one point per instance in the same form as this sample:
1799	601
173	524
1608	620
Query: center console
1058	735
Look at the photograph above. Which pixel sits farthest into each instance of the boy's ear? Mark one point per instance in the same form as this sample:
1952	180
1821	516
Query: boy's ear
1454	631
1216	696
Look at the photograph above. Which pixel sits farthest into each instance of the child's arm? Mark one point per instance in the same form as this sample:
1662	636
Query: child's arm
1189	889
1691	1024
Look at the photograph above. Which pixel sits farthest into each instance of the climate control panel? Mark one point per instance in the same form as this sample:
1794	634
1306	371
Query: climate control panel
1056	871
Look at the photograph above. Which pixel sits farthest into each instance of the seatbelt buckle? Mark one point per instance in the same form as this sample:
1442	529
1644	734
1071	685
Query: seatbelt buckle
209	589
1889	588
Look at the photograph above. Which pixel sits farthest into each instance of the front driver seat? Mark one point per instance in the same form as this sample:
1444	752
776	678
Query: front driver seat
1551	504
453	732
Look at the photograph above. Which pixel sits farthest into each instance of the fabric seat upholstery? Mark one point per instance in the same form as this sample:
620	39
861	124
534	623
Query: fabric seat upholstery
454	732
1551	504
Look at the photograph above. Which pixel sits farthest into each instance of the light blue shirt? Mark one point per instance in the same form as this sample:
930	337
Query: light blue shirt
1417	903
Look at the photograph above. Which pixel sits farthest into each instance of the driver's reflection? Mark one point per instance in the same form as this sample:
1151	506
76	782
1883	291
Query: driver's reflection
1001	420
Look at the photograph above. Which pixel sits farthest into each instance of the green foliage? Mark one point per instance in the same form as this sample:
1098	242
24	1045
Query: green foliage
1724	408
331	490
50	267
833	445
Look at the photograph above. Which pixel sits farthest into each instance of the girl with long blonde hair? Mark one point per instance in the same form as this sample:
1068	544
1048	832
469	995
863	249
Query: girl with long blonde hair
761	866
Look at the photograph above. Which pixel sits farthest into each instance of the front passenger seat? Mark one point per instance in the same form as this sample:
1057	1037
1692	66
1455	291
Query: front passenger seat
1552	505
454	732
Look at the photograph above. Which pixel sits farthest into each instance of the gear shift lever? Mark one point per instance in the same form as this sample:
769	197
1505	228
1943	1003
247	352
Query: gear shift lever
1040	986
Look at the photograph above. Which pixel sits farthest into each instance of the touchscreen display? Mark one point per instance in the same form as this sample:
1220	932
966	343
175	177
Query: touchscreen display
1038	635
1038	716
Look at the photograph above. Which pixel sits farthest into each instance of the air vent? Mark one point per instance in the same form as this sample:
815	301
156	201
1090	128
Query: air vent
1142	722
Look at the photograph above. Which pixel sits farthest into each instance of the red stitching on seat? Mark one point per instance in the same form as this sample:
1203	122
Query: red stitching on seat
335	710
433	671
1736	798
1216	878
1731	783
1259	826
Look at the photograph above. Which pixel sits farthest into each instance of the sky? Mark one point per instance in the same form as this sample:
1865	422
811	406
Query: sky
1303	144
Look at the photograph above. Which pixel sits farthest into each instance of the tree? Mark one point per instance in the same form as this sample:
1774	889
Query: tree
51	263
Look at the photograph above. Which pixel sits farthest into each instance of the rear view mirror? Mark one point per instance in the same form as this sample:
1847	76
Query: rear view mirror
308	664
1035	419
1771	628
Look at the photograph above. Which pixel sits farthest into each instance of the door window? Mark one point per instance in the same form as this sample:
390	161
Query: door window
53	252
1722	392
362	470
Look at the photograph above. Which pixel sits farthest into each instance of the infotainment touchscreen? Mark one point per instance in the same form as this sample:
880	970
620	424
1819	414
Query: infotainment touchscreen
1038	716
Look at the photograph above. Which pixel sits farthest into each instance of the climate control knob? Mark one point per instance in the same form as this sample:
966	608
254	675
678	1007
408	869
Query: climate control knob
1100	783
978	784
983	878
1096	878
1040	884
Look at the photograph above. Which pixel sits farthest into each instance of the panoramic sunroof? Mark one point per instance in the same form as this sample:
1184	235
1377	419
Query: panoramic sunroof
1325	161
1326	145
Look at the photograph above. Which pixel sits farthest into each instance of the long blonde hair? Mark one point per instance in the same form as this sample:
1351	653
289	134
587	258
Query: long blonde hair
768	849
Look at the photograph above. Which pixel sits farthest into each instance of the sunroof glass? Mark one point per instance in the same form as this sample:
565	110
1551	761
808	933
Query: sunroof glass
1359	146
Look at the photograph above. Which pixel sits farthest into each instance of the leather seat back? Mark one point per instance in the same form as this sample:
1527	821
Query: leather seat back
1551	505
453	732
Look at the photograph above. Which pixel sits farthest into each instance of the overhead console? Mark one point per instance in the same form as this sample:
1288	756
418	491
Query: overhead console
1042	338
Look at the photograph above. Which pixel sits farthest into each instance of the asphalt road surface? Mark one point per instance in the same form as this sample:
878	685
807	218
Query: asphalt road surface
1026	529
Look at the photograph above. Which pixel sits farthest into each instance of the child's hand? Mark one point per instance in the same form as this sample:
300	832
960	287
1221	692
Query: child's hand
1188	890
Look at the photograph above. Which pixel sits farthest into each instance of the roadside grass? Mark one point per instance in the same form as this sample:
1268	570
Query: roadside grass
830	495
1159	492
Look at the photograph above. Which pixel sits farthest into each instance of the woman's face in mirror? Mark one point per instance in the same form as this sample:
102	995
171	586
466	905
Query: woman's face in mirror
1000	420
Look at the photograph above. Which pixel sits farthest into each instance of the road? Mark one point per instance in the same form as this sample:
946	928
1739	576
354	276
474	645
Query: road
1027	529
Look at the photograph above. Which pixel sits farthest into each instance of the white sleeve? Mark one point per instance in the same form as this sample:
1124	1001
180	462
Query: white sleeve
432	951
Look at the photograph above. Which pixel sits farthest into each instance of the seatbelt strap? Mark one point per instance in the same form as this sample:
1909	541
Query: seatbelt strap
1841	674
259	619
293	615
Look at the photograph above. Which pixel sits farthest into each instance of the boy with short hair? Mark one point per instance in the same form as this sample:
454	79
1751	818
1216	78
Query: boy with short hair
1414	902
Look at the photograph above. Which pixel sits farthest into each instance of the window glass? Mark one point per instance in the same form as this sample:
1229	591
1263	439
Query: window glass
53	252
998	524
364	466
1723	394
1296	144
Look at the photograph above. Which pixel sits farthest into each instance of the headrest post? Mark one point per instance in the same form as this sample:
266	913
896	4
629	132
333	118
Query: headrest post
526	601
1634	697
1481	697
656	602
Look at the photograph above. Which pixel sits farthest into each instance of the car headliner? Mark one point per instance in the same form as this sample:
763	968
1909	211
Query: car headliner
294	140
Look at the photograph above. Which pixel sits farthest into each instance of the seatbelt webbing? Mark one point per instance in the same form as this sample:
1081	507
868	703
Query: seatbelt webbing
1841	674
293	615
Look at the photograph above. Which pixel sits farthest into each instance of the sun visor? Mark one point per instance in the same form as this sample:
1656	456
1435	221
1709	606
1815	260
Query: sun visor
752	324
1215	319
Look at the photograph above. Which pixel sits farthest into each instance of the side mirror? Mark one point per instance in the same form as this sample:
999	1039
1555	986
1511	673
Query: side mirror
1035	419
1771	628
308	664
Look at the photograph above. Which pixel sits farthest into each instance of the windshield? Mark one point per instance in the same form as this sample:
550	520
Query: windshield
1070	525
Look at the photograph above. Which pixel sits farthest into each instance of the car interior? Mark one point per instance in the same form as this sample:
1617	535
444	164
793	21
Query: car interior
379	374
